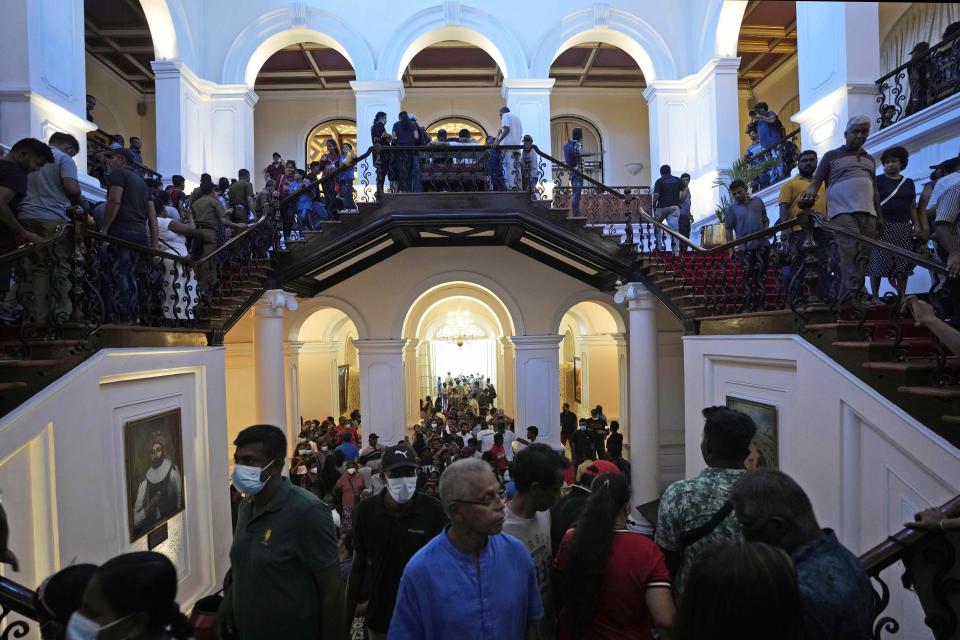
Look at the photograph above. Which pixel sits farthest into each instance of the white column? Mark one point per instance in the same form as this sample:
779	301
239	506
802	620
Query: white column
268	356
838	55
644	429
693	127
538	385
292	372
201	126
529	99
411	377
382	400
506	385
180	120
42	73
373	96
623	371
228	138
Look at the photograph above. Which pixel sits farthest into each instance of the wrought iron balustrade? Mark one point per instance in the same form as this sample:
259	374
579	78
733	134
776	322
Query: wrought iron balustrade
782	156
930	569
598	205
927	78
16	608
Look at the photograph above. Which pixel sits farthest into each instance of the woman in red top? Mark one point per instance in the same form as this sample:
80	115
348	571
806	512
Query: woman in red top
613	583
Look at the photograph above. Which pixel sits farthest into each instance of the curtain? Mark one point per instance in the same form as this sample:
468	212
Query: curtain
923	22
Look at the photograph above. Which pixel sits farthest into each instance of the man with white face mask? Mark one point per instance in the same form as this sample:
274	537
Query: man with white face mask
285	557
387	530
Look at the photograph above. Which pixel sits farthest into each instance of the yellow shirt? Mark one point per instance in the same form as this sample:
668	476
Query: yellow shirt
790	195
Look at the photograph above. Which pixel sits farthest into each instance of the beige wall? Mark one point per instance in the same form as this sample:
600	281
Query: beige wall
282	121
116	110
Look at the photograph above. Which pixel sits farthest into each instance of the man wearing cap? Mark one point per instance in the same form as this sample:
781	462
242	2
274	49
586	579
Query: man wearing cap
387	530
565	512
130	214
945	202
373	445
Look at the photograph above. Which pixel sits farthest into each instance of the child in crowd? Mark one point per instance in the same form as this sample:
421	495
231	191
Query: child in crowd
304	200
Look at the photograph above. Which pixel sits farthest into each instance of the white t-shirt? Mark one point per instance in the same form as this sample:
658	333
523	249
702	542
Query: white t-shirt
534	533
508	438
515	136
943	184
486	439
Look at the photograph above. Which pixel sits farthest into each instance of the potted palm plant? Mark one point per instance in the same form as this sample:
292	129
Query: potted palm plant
712	235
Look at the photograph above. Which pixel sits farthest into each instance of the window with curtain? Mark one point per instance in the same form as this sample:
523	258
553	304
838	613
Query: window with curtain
923	22
561	130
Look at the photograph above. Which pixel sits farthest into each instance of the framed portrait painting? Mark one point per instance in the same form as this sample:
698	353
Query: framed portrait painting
577	380
153	460
765	448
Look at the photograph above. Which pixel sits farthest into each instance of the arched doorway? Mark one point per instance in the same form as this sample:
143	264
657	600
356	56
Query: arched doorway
593	360
340	130
463	329
561	130
328	367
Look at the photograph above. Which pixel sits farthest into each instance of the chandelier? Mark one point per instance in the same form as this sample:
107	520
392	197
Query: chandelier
459	328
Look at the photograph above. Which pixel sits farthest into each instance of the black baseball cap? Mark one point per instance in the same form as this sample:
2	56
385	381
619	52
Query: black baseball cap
398	456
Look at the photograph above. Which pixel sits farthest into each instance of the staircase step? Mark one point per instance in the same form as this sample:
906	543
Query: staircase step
43	343
941	393
900	367
12	386
950	419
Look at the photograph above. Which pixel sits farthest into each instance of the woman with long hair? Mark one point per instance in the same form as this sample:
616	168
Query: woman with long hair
725	578
613	583
131	596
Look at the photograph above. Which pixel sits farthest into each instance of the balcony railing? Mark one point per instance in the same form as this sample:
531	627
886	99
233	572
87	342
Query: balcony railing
782	156
96	165
928	78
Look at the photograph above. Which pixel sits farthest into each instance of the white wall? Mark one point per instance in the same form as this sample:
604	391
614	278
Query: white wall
866	465
62	465
116	110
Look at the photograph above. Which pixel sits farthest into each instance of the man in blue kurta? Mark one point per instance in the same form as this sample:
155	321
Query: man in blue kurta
490	572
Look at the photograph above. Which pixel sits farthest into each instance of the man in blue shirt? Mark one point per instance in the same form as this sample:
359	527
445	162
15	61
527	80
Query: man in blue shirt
834	589
490	573
747	214
350	450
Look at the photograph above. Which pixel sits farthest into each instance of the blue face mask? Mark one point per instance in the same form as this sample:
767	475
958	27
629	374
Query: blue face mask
247	479
80	627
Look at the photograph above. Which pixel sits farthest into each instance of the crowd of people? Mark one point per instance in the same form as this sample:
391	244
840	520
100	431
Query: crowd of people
428	538
844	187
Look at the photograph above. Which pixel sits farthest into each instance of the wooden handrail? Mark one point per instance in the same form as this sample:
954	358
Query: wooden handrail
787	137
879	244
17	598
893	548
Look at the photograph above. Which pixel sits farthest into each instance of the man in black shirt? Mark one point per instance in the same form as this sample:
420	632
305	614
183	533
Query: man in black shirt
387	530
668	193
25	157
378	135
568	423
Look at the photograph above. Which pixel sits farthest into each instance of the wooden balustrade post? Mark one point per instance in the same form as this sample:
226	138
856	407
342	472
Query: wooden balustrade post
78	220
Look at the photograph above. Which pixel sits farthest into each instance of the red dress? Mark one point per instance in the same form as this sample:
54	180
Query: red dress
635	565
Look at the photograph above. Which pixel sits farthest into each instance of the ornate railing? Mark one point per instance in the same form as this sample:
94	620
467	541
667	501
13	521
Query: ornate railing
782	156
928	78
18	600
930	568
96	165
598	205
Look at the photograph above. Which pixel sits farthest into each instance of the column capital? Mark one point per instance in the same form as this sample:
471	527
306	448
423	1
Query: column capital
374	87
292	348
273	303
380	347
527	86
321	347
597	339
619	339
636	296
549	341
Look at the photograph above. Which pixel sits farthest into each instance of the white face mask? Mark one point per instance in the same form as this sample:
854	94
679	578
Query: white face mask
351	471
247	479
81	627
402	489
304	452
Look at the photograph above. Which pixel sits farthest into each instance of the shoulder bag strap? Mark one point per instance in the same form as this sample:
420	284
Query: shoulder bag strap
894	192
688	538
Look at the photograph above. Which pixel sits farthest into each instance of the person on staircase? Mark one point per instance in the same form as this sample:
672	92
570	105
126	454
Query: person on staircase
686	203
791	209
573	155
510	134
668	193
853	204
240	198
746	215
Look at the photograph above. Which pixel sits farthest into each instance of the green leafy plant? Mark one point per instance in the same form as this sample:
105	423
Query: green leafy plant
740	169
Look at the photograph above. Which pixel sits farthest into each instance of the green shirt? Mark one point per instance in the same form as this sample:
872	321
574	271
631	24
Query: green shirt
276	559
688	504
238	193
207	212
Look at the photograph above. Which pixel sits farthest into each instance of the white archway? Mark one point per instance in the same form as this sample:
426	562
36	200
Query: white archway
169	30
623	30
469	25
726	28
272	31
309	306
617	312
